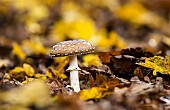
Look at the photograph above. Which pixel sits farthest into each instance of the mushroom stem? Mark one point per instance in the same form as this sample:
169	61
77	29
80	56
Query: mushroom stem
74	76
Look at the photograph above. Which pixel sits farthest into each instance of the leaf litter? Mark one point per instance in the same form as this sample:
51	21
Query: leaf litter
129	70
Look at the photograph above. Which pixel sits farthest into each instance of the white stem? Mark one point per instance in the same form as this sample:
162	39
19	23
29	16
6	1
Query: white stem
73	63
74	80
74	76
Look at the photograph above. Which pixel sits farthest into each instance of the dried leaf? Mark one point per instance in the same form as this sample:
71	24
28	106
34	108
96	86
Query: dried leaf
93	93
17	50
40	76
111	83
116	40
157	63
90	60
28	69
51	73
28	80
91	81
135	12
34	13
34	46
60	75
106	56
138	72
16	70
123	66
83	29
100	79
63	61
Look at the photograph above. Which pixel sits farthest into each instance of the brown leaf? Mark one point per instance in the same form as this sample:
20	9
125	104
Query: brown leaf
138	72
91	81
100	79
106	56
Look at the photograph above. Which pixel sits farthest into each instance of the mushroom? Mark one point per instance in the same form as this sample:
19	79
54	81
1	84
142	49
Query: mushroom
72	48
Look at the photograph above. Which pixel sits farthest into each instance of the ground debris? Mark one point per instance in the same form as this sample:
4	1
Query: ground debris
129	69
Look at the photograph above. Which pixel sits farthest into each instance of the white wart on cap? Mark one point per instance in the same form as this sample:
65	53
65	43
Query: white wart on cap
71	47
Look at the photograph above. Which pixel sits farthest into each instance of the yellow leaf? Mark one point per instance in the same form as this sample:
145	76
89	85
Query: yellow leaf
93	93
28	80
60	75
8	76
116	40
158	63
28	69
63	61
50	2
18	51
17	70
34	46
22	4
37	11
104	42
136	13
40	76
77	25
91	60
82	29
51	73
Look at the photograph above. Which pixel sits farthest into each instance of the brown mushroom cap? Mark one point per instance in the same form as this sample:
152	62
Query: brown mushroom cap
71	47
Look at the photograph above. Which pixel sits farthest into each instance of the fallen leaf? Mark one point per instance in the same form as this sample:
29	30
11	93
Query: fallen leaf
17	50
28	69
21	72
90	60
93	93
136	13
40	76
28	80
106	56
51	73
158	63
16	70
34	46
138	72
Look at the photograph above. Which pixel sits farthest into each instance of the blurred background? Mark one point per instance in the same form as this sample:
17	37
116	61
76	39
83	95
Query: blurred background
29	29
34	26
